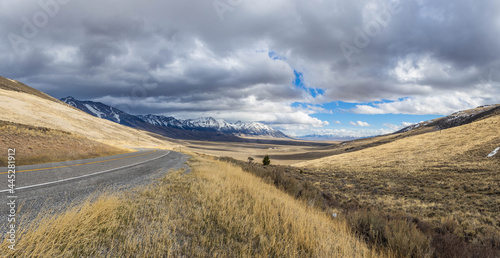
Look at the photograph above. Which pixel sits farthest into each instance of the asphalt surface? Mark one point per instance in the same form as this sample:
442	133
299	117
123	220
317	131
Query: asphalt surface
54	186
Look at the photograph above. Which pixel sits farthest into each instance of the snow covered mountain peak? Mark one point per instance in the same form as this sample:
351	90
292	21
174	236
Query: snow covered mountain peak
96	108
212	124
207	124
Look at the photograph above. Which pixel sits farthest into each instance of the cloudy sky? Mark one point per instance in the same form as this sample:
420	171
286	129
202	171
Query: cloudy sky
348	67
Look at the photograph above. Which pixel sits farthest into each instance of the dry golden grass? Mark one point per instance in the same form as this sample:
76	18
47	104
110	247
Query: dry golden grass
28	109
13	85
282	154
35	145
440	177
298	152
216	210
292	153
464	145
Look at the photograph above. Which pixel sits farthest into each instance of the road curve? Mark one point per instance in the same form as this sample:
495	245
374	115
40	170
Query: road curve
46	174
47	186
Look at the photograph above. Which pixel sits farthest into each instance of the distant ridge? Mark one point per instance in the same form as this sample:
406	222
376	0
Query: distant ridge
212	124
456	119
104	111
200	128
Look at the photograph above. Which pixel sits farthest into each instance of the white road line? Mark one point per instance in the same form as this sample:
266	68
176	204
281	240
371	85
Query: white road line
77	177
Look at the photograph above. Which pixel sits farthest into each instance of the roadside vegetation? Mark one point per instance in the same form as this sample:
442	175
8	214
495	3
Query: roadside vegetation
443	178
438	188
36	145
389	229
215	210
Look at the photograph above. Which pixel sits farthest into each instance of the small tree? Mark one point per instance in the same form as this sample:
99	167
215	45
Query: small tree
250	159
266	161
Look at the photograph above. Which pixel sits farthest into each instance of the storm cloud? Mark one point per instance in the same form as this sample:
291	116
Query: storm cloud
238	60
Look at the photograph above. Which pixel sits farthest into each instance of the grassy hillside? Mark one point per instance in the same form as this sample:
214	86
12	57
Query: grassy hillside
13	85
216	210
466	145
456	119
442	177
35	145
32	110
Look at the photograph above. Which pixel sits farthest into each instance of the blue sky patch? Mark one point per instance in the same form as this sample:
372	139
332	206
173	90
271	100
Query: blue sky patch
339	116
273	55
299	83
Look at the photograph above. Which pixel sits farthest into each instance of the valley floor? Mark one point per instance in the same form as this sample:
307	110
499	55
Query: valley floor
283	152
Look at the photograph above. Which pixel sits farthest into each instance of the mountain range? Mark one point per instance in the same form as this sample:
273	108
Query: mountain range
166	125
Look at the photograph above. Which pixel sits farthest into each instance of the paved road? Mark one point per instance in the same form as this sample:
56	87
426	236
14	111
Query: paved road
54	185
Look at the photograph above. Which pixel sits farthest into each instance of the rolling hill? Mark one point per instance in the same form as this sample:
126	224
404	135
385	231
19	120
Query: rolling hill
457	119
24	105
36	145
447	178
13	85
470	142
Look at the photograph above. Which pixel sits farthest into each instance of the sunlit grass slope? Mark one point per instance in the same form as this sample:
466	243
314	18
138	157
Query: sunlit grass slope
35	145
13	85
216	210
28	109
441	177
463	146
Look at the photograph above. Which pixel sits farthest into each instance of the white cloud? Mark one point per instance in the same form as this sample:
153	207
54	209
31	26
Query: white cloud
414	68
437	105
394	127
337	122
359	123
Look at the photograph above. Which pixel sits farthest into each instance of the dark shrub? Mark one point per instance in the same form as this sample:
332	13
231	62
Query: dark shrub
266	161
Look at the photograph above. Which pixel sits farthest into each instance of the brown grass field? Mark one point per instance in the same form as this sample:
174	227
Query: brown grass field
437	176
297	151
441	177
283	154
13	85
216	210
36	145
28	109
294	152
